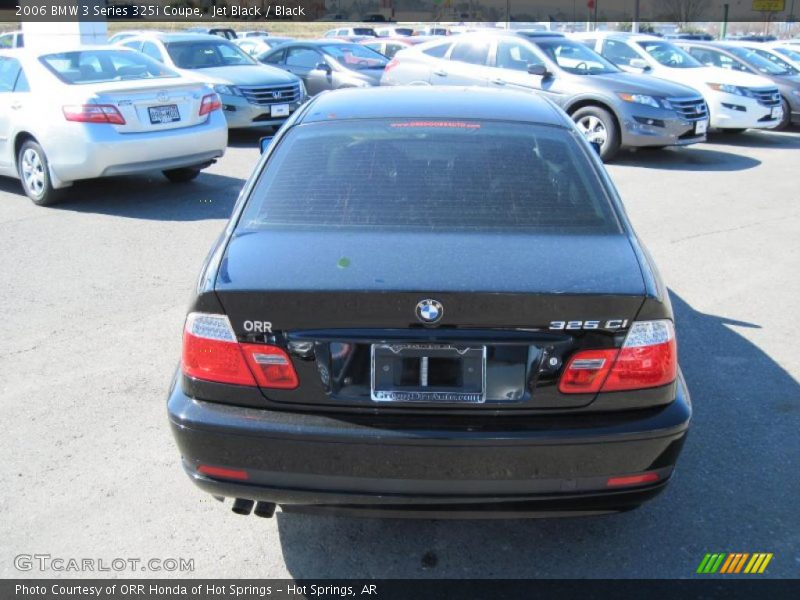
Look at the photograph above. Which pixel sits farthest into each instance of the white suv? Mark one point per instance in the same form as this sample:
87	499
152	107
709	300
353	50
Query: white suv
736	101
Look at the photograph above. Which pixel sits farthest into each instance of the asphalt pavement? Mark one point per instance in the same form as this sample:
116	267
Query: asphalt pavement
94	293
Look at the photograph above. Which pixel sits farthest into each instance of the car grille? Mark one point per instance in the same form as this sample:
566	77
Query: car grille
272	94
767	96
692	109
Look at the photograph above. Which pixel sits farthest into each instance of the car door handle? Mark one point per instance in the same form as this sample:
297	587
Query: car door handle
499	81
16	106
440	73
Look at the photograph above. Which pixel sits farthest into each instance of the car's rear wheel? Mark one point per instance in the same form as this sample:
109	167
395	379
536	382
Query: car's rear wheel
598	126
34	173
182	175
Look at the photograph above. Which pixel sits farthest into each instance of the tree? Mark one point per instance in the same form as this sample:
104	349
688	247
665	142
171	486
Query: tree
683	12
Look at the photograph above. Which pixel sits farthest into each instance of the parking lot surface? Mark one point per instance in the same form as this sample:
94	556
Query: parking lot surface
94	293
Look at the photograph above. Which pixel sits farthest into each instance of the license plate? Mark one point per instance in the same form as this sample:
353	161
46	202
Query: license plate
164	114
280	110
701	127
777	112
434	373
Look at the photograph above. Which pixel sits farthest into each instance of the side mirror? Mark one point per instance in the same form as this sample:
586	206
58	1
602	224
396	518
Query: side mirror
323	66
264	143
538	69
598	147
640	63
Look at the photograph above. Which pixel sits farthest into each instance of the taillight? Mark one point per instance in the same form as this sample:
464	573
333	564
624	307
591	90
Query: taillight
210	103
212	353
93	113
391	65
648	358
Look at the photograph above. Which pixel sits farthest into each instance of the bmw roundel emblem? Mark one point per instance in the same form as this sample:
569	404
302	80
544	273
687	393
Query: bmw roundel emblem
429	311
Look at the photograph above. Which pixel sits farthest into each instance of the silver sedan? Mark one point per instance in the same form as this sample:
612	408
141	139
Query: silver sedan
95	111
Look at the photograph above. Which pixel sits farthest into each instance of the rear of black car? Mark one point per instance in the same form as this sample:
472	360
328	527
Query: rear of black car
429	316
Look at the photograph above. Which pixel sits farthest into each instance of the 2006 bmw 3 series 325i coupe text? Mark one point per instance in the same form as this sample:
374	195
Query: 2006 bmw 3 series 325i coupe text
430	302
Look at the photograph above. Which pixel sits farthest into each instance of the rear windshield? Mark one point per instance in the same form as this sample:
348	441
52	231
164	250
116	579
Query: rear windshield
433	175
98	66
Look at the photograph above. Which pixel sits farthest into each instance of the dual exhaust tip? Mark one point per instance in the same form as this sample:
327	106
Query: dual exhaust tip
242	506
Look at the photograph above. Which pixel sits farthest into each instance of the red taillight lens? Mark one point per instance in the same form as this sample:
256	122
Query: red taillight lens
209	104
648	358
586	371
211	353
271	366
94	113
391	65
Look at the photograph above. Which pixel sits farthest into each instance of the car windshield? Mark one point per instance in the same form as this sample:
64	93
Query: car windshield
432	175
789	53
574	57
98	66
760	63
364	31
776	60
207	54
670	55
355	56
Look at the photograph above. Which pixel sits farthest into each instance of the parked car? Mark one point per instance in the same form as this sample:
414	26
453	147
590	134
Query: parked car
432	30
223	32
251	34
752	37
391	46
742	57
788	52
94	111
688	36
394	31
612	108
328	64
736	100
534	369
121	36
349	32
258	45
253	95
12	39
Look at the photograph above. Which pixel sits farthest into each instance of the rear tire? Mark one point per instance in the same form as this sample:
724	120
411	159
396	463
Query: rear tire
597	124
183	175
34	173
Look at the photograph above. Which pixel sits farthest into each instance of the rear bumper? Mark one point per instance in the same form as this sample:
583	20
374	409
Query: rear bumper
96	150
430	466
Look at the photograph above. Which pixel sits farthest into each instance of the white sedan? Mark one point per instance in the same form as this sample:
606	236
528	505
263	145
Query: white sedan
97	111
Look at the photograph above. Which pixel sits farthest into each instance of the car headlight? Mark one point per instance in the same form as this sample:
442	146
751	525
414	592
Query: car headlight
303	92
227	90
642	99
730	89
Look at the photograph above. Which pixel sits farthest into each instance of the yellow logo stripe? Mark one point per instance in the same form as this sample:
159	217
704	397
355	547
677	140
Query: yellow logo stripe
765	563
749	568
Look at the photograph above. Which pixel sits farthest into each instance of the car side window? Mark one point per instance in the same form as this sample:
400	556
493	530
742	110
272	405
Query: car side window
392	49
6	41
589	42
151	50
472	52
439	50
133	45
22	84
618	52
275	58
717	59
9	72
303	57
515	55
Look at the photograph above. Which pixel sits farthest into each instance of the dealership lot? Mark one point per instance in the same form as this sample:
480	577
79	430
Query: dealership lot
95	292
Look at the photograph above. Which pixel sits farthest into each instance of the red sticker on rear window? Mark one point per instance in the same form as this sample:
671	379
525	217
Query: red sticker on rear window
444	124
